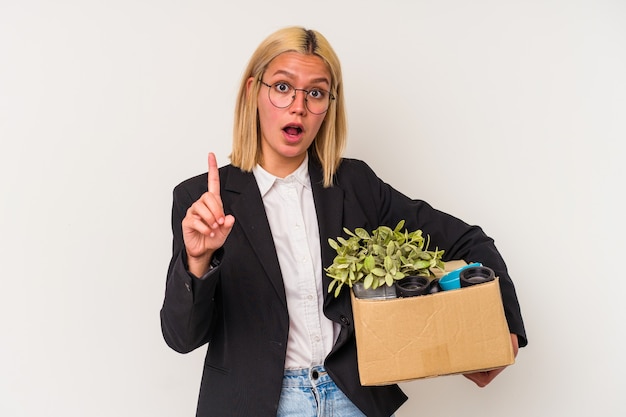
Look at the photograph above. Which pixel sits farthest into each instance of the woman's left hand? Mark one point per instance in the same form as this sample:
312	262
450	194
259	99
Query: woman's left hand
482	379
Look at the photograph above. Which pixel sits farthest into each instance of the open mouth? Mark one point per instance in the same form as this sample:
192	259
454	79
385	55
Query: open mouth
292	130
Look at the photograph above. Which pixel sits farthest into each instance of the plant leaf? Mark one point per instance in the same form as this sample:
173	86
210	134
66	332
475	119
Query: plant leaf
343	241
389	250
388	263
368	281
337	290
379	272
389	279
421	264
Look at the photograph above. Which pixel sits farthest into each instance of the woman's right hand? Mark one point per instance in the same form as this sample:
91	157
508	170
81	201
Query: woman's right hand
205	227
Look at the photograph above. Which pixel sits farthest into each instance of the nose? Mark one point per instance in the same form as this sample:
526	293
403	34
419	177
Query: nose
299	102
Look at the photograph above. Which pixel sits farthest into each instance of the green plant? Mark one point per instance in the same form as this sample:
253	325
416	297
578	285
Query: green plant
380	258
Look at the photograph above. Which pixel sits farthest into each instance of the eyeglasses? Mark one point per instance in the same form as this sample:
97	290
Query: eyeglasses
282	94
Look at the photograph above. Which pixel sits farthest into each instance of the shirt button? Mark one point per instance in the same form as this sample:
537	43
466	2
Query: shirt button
345	320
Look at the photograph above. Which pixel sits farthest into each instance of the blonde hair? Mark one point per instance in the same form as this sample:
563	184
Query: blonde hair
330	141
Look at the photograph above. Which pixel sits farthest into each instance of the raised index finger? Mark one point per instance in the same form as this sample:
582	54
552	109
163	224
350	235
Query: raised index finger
214	175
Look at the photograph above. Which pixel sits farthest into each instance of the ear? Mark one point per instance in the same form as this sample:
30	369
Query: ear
249	84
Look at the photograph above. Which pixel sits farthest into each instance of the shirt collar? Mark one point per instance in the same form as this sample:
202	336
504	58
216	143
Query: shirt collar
265	180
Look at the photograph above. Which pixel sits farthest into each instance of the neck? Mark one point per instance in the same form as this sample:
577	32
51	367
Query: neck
284	167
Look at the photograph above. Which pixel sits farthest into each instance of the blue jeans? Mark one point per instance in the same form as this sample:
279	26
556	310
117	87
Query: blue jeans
312	393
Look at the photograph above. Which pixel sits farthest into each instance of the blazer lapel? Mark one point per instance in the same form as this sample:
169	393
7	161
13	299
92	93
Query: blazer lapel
329	208
248	209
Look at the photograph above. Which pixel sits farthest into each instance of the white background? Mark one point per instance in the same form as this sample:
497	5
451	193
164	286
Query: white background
508	114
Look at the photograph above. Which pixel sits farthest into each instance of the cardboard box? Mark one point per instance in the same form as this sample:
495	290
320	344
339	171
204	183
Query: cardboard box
449	332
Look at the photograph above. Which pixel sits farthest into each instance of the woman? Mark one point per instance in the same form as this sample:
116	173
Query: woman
246	275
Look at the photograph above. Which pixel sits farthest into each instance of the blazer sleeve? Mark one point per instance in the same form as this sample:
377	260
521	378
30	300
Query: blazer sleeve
188	307
382	204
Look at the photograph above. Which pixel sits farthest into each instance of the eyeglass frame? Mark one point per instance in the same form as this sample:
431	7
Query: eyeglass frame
331	96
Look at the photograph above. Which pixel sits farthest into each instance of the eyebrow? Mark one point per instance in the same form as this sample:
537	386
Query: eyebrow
291	75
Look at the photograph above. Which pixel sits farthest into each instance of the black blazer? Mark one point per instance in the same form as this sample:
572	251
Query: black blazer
240	308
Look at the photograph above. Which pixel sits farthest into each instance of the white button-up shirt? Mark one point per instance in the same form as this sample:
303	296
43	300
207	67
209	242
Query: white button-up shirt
291	214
